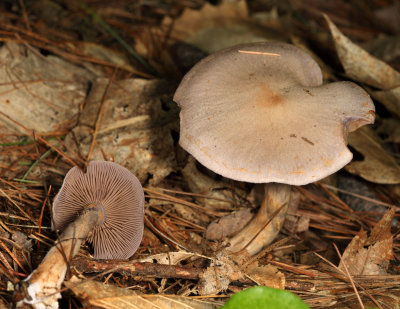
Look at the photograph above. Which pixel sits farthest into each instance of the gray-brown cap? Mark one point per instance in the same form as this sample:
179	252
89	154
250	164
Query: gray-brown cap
118	193
259	113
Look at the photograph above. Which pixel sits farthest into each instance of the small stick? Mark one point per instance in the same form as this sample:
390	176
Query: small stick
145	269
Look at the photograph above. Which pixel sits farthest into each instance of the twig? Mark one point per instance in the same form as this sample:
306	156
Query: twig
145	269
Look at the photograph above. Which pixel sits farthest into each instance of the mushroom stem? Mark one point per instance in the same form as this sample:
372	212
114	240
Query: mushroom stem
42	286
265	226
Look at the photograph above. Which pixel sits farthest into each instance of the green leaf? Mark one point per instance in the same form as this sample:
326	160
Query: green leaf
261	297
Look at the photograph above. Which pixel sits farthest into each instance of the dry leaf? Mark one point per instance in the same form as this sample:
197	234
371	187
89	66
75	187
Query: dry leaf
43	93
374	259
216	27
149	239
381	231
217	277
93	293
219	193
229	225
267	275
135	130
378	165
360	65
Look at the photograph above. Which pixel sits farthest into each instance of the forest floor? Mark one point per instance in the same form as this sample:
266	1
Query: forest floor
94	80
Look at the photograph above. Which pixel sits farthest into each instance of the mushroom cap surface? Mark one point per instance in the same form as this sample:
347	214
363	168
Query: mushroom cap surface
117	193
259	113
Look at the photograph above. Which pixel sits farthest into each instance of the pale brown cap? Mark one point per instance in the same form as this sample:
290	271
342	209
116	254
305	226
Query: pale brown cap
259	113
116	191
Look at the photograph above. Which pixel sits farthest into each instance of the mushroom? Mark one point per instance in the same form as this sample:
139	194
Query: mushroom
259	113
105	205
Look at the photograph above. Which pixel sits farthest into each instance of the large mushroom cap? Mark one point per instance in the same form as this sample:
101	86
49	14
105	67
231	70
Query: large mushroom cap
118	193
259	113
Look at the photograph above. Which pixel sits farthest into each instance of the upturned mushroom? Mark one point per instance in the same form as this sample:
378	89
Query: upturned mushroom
104	206
260	113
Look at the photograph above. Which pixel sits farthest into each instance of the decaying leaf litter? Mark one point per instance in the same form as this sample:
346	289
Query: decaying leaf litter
71	92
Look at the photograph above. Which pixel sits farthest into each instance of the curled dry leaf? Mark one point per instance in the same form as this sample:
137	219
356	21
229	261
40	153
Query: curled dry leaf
216	27
363	67
97	294
229	225
360	65
377	165
219	191
135	130
54	89
370	255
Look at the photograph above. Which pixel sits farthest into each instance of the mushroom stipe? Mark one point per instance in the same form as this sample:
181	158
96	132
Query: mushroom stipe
105	206
260	113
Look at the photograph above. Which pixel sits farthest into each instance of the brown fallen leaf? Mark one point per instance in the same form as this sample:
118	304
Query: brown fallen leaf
360	65
363	67
93	293
217	277
135	130
381	231
267	275
216	27
219	194
43	93
370	255
229	225
377	165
